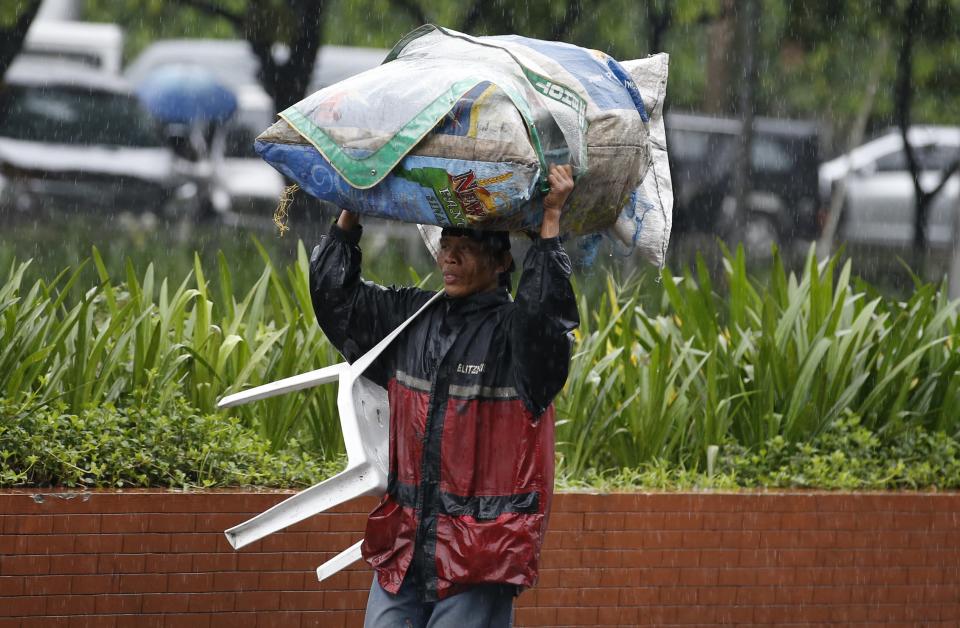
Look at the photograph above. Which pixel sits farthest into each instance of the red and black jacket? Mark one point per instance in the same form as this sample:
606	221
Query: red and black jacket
471	384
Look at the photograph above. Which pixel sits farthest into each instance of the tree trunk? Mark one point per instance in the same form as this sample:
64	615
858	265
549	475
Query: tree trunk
904	97
720	36
11	39
747	27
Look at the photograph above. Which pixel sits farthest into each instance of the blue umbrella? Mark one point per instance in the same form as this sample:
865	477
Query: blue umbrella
185	93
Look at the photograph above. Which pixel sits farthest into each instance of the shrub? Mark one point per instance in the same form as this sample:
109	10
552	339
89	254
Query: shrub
142	446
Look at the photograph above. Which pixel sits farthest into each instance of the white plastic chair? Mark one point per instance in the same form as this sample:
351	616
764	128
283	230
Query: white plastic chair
364	420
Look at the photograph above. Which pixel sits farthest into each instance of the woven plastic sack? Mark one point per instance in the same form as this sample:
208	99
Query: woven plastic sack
460	130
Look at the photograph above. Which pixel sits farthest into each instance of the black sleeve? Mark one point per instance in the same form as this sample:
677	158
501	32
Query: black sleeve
543	320
353	313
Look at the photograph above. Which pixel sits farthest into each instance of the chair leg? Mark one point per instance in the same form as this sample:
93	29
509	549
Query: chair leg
344	559
355	481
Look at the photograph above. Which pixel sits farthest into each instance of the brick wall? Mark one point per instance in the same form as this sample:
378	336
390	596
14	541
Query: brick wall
152	559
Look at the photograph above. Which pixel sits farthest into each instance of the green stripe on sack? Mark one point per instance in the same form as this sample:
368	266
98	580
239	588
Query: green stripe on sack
368	171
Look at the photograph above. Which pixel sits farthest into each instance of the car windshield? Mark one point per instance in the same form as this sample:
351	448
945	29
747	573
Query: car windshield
74	115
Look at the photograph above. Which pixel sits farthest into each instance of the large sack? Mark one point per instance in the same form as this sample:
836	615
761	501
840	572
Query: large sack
460	130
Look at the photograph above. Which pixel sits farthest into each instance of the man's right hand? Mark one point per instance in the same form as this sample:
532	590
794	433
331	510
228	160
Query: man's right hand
348	220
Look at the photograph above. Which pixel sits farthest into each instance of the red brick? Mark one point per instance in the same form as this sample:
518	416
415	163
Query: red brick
817	576
120	563
639	596
123	523
719	558
213	562
285	542
73	564
682	521
46	585
286	580
146	543
578	616
236	581
233	620
598	597
305	561
347	523
198	543
167	563
325	619
756	596
49	544
70	604
678	596
579	577
779	576
737	577
164	602
603	521
11	585
313	600
143	583
140	620
94	621
561	558
794	595
29	524
667	577
189	582
24	605
171	522
117	604
43	622
88	584
565	521
342	600
260	562
190	620
594	558
643	521
701	539
557	597
536	617
701	577
744	539
24	565
217	523
329	541
761	521
258	601
98	543
663	539
76	524
680	558
642	558
220	602
717	596
723	521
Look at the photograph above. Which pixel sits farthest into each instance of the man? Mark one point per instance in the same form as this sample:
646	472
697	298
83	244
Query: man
471	384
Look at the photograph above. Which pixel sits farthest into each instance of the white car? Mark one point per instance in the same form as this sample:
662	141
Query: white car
73	138
879	201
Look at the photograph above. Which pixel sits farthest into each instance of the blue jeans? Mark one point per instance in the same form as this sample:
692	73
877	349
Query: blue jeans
481	606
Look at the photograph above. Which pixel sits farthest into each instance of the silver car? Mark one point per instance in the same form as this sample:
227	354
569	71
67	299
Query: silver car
73	138
879	201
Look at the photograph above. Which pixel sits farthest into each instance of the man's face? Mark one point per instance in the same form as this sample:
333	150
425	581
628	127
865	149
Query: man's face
466	267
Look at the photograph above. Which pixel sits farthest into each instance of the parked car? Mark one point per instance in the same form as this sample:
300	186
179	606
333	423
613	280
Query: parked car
703	156
97	45
251	185
73	138
879	199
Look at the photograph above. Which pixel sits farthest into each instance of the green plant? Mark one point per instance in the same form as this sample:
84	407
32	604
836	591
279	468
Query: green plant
107	446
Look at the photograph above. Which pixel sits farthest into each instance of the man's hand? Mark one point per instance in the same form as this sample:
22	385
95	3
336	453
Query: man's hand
347	220
561	185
